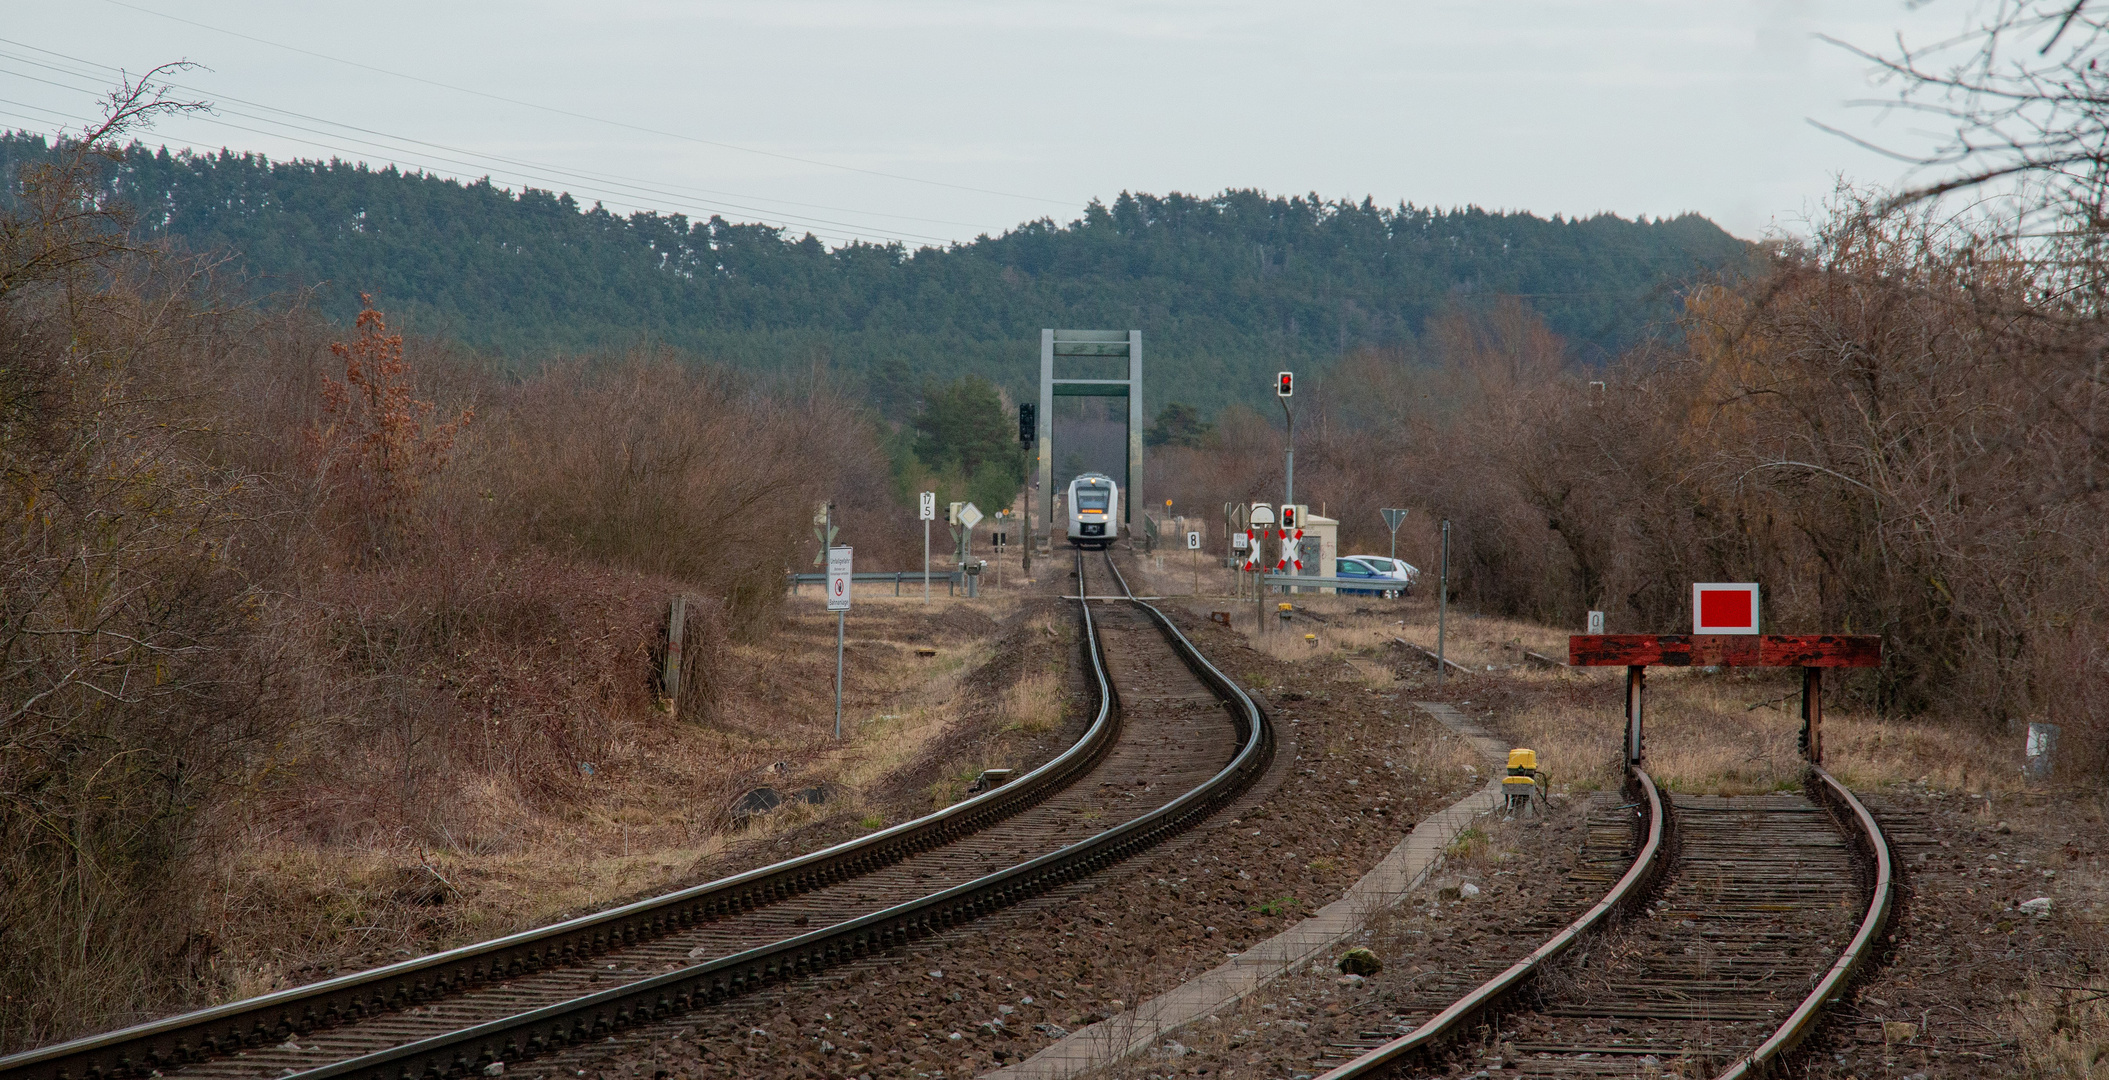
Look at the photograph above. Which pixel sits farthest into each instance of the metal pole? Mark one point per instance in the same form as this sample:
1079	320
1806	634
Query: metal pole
1442	605
1636	681
926	560
1812	714
1289	455
839	619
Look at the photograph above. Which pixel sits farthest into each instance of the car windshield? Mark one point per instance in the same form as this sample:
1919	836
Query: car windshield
1093	498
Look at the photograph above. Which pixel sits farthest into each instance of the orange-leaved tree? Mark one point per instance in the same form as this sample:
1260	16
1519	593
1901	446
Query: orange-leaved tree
376	443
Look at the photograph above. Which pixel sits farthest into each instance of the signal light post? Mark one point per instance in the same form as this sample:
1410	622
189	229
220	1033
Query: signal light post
1285	385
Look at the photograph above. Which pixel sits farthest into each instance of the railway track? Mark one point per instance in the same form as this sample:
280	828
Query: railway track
1172	740
1747	916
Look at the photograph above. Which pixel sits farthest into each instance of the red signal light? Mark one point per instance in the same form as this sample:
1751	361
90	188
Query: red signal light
1285	384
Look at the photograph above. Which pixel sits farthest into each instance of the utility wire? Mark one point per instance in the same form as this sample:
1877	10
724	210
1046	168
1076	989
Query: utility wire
472	153
820	226
610	189
586	116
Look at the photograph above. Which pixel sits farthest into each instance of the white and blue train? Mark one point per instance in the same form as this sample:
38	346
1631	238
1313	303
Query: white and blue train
1094	511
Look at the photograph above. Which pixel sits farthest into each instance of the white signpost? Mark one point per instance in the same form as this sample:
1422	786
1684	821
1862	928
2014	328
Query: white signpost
838	596
969	516
1394	518
1193	556
928	511
1596	622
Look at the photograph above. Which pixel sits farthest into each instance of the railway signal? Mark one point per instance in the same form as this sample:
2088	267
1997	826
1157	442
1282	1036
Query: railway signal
1284	385
1028	424
1723	608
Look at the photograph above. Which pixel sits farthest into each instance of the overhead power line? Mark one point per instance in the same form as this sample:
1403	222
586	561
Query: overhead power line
555	110
617	189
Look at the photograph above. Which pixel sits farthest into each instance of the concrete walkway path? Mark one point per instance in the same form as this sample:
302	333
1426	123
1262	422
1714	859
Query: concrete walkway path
1216	990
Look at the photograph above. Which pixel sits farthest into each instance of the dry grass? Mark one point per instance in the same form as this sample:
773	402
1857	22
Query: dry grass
2063	1028
1722	733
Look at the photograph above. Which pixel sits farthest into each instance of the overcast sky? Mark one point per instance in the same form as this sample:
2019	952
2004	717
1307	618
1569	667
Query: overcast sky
930	120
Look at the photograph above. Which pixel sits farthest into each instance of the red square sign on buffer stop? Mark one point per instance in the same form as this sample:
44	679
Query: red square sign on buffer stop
1725	608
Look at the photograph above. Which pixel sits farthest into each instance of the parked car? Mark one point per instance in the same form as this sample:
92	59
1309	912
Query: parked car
1398	574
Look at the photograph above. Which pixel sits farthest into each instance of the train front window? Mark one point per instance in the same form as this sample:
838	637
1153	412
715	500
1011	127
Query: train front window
1092	500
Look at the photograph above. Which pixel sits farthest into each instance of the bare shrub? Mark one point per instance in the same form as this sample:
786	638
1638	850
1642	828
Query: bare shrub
127	691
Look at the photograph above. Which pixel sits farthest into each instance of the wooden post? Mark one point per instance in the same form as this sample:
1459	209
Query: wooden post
1636	681
1812	714
674	618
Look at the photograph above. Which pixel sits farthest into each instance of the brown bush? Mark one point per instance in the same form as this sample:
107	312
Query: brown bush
1895	430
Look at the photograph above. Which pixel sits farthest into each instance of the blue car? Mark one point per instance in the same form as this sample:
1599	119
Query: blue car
1351	568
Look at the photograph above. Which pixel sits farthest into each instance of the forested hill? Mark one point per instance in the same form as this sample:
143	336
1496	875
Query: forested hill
1225	288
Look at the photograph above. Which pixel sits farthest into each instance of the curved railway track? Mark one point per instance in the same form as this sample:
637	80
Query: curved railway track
1172	740
1750	915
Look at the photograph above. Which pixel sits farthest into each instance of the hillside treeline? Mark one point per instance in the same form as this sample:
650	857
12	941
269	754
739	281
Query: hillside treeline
270	584
1227	288
1895	428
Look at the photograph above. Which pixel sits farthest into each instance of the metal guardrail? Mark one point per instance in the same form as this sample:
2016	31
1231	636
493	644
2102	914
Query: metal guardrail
1310	581
272	1018
1638	880
952	579
1826	789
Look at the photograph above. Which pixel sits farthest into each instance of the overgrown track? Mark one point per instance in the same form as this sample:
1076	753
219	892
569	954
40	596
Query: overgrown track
531	993
1772	905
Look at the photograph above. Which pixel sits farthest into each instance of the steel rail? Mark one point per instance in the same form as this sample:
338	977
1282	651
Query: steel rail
1638	879
599	1015
1857	952
273	1018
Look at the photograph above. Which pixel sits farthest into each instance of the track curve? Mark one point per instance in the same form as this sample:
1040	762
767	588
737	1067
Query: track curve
1695	986
469	1008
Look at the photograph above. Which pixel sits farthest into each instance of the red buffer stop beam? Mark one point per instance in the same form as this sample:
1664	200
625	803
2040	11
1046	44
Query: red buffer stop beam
1810	652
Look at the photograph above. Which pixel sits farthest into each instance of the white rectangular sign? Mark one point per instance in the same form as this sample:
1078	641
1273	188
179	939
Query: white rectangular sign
838	579
1239	541
1193	540
1725	608
1596	622
929	506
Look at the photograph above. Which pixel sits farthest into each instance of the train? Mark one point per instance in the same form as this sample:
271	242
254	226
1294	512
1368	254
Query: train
1094	511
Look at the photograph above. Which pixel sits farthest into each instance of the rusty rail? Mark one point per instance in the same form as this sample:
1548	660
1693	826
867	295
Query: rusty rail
1828	989
275	1017
137	1050
1638	879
